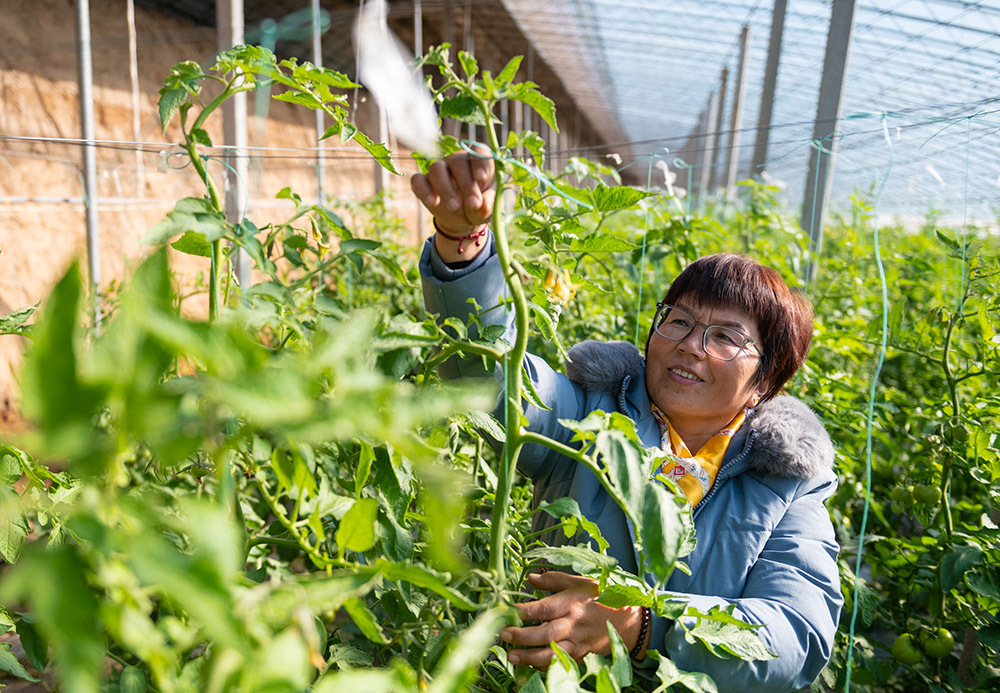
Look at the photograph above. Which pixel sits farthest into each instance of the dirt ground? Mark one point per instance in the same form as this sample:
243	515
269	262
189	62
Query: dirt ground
42	215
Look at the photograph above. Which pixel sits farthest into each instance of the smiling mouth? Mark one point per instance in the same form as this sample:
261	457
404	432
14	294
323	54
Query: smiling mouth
684	374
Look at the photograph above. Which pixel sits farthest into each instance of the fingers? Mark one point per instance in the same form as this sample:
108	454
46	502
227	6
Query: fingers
540	658
422	189
538	636
555	581
440	179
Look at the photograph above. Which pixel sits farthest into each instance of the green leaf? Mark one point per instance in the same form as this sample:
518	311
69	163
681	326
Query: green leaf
601	243
365	620
12	322
54	394
623	460
132	680
344	656
191	214
509	71
13	525
985	581
663	531
183	81
529	393
618	596
379	151
582	559
723	634
201	137
561	507
955	563
461	660
428	579
563	675
464	108
469	64
9	663
54	582
193	244
989	636
621	663
526	93
486	423
357	529
358	245
609	199
300	98
35	648
669	675
605	683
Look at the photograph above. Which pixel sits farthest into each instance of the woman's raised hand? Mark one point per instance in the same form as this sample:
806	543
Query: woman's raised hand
572	618
458	191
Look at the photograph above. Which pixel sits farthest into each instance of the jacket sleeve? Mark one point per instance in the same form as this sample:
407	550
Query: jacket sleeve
793	589
452	293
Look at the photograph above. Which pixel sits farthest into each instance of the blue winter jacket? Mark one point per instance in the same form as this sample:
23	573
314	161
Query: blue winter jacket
765	539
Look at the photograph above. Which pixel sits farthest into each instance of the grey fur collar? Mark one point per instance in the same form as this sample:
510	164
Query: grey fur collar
790	440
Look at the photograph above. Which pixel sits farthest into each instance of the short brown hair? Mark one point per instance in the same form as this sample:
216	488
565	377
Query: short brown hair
784	317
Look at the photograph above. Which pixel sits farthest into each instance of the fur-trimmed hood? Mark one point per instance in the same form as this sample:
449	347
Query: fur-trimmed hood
788	438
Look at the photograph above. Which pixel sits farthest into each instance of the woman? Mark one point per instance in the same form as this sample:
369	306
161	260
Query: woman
756	466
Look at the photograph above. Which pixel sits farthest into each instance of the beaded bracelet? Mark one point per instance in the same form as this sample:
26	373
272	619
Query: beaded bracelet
476	236
647	614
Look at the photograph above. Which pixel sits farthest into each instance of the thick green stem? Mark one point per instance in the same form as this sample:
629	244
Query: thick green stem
512	405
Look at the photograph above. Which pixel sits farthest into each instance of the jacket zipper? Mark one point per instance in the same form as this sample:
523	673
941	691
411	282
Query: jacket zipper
719	479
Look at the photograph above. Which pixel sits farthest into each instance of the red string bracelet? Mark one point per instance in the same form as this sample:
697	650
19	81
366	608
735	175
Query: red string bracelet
476	236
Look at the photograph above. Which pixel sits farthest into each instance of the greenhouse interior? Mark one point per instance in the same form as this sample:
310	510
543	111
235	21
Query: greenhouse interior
499	346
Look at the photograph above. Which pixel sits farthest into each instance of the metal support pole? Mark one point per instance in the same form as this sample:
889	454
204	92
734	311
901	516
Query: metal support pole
86	76
714	177
418	28
736	115
528	115
418	50
469	46
317	59
133	76
838	43
766	110
451	127
229	23
709	146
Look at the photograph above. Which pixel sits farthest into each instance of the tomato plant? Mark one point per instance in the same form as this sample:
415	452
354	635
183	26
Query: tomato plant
286	497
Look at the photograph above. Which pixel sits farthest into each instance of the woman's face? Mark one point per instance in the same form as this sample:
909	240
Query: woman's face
697	392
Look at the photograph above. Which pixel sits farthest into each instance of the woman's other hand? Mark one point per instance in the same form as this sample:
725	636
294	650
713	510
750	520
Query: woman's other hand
572	618
458	191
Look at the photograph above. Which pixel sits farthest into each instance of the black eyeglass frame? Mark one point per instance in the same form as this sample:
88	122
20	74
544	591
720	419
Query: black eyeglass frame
660	306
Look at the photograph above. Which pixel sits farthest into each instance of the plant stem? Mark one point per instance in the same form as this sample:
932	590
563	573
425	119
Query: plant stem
515	355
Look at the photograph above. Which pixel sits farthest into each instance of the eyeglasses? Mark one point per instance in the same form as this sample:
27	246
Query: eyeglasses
718	341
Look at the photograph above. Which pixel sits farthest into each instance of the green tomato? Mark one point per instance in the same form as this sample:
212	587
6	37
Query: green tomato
905	650
897	494
908	500
939	644
957	433
927	495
